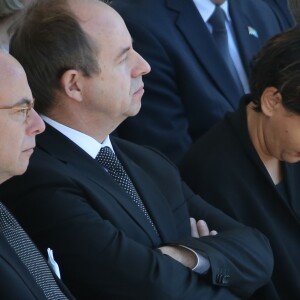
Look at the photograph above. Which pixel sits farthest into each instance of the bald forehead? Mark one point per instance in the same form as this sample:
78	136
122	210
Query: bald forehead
92	12
10	67
84	8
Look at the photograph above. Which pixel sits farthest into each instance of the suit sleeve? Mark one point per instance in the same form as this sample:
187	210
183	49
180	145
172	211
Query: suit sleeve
240	256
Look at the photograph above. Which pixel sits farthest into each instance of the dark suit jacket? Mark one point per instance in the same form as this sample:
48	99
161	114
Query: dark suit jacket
282	12
104	245
189	88
16	282
225	169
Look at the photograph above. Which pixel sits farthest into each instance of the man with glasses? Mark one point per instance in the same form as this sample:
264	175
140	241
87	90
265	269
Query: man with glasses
24	274
22	110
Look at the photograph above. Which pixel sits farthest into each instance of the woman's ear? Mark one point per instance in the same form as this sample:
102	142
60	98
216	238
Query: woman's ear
270	100
70	83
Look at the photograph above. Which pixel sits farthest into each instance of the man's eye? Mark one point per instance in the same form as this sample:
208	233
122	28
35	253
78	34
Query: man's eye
22	110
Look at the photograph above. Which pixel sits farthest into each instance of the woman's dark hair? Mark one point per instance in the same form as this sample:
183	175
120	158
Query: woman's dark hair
277	65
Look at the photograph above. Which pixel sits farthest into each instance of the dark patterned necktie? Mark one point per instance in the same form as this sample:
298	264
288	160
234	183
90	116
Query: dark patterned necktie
29	255
111	163
219	33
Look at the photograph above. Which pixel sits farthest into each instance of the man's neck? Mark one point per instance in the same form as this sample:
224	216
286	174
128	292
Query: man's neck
217	2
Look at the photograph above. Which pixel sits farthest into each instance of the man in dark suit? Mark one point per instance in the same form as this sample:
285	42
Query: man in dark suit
190	87
282	12
23	271
116	214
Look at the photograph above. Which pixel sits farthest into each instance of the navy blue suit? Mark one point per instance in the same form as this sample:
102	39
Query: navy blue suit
189	88
281	10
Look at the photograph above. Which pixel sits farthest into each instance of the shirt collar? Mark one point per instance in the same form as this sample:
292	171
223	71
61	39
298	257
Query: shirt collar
84	141
206	8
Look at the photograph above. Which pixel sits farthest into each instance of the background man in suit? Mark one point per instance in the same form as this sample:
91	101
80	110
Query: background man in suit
118	218
191	87
23	271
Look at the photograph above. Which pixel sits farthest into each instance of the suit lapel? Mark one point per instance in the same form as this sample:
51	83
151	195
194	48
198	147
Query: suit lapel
245	33
151	196
81	164
110	187
194	31
8	254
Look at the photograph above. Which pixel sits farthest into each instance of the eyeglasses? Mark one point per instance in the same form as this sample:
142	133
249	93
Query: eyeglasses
21	112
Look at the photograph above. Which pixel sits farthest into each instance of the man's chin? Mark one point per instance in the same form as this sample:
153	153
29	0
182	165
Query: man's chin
22	168
135	110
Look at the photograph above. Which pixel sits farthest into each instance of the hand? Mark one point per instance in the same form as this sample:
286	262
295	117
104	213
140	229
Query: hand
181	254
200	228
188	257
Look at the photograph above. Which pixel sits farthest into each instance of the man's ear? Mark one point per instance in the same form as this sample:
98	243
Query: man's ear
270	100
70	83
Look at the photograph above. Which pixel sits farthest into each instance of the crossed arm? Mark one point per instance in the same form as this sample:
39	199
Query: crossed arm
188	257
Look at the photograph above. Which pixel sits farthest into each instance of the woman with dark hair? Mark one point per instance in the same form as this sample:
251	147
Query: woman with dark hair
249	164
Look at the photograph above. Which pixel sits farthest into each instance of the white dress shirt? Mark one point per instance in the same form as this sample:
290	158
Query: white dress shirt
85	142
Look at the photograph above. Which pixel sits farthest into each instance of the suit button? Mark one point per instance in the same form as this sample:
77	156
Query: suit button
225	279
219	278
222	279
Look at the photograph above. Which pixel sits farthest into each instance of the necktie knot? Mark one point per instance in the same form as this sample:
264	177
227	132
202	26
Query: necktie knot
108	159
217	19
218	2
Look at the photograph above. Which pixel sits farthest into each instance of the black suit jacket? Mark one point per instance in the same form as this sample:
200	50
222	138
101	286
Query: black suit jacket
16	282
104	245
189	87
224	168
